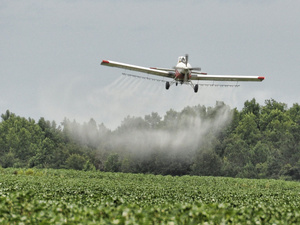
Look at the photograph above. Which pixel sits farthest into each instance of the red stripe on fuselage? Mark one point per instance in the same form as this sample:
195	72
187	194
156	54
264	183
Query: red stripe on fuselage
180	76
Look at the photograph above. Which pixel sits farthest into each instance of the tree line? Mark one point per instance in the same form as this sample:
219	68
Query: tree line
259	141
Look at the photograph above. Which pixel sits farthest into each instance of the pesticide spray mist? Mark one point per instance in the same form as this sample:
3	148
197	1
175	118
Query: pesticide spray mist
179	131
182	124
169	145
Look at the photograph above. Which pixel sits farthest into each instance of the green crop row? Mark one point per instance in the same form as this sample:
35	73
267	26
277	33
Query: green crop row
76	197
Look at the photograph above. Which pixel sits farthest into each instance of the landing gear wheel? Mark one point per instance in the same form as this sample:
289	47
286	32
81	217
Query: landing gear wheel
196	88
167	85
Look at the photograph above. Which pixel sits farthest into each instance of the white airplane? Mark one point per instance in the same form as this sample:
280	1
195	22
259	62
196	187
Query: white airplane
183	73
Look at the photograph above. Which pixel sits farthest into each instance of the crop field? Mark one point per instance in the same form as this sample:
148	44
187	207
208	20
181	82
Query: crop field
76	197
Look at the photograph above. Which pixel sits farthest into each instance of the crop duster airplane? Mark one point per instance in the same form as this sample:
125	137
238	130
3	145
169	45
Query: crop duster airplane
182	73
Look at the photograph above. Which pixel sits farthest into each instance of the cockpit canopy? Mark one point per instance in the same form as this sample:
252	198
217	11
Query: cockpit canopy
181	59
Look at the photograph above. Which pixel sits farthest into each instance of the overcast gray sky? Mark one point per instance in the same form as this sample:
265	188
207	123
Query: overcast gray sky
50	54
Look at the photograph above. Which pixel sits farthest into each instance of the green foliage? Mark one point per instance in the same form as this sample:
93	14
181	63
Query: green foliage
75	197
207	163
76	162
112	163
259	141
29	172
248	130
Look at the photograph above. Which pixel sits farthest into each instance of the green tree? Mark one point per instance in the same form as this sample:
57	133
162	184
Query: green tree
131	124
112	164
248	171
276	125
171	120
207	163
259	153
44	157
76	162
153	120
271	104
251	107
21	137
6	115
236	154
8	160
248	130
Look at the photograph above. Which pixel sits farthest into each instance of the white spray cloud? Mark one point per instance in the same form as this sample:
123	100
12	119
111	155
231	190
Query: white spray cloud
184	134
68	97
138	97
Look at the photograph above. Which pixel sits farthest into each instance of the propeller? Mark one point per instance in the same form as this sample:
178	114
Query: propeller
196	68
186	59
186	63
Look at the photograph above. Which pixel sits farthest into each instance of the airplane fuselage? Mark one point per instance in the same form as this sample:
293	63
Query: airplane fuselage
183	72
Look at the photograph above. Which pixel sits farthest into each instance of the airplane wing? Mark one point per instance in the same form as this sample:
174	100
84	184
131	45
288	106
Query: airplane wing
203	76
154	71
164	69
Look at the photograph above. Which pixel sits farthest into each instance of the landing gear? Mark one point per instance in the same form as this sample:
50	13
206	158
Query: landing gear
196	88
167	85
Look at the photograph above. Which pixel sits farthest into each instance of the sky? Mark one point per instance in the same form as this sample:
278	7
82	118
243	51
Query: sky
50	54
